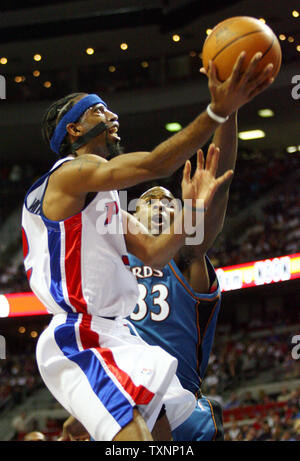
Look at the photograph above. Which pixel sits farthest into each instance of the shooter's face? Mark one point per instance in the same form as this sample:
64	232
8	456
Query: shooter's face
156	210
106	143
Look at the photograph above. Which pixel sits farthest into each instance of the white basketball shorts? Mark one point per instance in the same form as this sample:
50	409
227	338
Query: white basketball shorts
99	372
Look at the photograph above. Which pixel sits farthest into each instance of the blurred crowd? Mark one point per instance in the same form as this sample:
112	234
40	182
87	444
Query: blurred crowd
19	378
266	418
234	363
277	234
28	429
12	277
14	182
275	418
254	350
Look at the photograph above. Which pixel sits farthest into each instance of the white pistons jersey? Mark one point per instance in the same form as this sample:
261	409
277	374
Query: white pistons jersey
80	264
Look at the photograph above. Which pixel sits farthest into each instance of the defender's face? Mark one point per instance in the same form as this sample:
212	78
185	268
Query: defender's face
156	210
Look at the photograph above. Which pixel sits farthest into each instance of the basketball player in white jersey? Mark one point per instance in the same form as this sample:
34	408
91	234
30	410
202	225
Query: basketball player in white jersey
75	255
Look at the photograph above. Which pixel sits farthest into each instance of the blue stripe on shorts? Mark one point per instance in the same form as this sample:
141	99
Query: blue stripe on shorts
101	383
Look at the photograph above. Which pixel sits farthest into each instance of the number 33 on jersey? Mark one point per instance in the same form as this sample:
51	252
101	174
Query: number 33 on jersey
170	314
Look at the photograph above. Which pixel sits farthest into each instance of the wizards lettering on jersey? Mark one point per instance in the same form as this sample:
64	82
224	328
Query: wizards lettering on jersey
143	272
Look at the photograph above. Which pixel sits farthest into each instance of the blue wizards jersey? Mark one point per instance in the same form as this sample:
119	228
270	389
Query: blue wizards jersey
170	314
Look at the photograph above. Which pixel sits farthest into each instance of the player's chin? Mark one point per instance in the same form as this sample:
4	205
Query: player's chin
114	148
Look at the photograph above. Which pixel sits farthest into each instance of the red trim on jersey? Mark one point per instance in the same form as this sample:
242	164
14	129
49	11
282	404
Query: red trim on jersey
90	339
125	260
28	273
25	243
73	235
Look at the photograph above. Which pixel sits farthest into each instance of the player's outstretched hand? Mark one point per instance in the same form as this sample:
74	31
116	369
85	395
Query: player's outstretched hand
204	184
240	87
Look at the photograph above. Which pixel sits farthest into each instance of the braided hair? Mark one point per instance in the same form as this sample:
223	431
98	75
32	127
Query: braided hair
53	115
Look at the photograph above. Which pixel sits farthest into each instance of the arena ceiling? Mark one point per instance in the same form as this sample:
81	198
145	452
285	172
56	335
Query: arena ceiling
61	31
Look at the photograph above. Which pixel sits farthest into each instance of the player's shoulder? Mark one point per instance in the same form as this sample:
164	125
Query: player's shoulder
77	166
85	161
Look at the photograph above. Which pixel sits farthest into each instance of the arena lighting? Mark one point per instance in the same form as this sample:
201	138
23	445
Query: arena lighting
173	126
246	275
251	134
295	14
291	149
265	113
176	38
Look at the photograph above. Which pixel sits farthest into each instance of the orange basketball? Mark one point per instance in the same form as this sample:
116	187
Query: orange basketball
230	37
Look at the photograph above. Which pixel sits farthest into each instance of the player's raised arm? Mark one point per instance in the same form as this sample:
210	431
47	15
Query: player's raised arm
225	138
89	174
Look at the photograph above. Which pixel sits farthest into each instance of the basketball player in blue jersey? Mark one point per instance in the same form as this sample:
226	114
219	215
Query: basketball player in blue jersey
75	251
179	304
